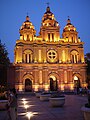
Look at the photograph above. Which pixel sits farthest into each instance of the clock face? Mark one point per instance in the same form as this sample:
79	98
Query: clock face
52	56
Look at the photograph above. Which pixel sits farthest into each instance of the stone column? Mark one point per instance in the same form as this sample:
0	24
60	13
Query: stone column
36	75
70	76
60	54
27	58
45	76
65	76
35	54
44	54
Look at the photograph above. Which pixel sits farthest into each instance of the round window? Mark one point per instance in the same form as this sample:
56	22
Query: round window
52	56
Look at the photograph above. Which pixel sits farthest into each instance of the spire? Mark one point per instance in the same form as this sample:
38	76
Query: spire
48	8
27	17
47	4
68	21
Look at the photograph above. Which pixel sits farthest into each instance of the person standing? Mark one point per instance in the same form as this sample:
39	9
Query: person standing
13	105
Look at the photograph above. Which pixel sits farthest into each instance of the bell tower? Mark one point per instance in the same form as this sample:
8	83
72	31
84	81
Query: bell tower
50	29
69	33
27	35
27	31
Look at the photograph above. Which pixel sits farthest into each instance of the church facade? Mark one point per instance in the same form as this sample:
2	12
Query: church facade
49	61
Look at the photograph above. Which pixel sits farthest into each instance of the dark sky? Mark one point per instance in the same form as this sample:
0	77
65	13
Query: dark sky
14	12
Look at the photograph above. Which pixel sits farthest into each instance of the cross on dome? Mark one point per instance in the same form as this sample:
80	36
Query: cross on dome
27	18
48	8
68	21
47	4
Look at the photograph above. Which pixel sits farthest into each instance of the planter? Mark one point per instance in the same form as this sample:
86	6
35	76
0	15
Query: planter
45	97
57	101
3	104
86	112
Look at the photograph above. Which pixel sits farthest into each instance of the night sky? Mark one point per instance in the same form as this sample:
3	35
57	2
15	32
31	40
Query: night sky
13	13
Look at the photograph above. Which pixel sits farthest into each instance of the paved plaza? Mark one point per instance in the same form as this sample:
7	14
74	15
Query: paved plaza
42	110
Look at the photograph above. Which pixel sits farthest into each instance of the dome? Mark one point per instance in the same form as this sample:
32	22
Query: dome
27	31
27	24
48	18
69	26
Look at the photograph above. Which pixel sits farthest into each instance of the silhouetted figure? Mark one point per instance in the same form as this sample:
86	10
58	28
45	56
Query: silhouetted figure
13	104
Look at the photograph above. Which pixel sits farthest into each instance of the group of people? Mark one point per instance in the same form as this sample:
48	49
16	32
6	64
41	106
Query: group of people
80	90
12	104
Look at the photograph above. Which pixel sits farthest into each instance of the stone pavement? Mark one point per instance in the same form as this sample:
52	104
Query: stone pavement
41	110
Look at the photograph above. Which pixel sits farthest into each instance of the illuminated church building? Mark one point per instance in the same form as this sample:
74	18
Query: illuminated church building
47	61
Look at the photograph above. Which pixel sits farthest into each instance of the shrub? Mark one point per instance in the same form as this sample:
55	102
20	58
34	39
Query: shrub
87	105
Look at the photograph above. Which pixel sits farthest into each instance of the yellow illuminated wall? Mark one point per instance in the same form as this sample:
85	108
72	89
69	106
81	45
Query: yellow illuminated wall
48	55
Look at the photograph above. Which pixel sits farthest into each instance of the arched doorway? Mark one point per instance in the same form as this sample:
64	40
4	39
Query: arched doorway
77	82
28	85
53	83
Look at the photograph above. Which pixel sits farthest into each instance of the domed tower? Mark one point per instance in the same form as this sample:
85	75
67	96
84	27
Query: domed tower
75	46
49	30
69	33
27	36
27	31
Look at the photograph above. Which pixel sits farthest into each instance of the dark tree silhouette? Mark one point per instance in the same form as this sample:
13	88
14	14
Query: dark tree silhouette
4	63
4	59
87	59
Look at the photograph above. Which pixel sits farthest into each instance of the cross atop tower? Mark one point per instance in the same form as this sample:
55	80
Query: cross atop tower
27	17
68	21
27	13
47	4
68	17
48	8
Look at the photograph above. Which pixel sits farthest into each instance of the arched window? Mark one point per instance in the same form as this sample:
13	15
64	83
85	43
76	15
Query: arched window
72	39
27	56
74	56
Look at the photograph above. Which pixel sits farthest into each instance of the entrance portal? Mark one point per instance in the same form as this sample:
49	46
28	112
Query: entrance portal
53	83
28	85
76	82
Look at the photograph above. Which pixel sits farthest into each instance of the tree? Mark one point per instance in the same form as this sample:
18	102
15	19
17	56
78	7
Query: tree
87	59
4	59
4	63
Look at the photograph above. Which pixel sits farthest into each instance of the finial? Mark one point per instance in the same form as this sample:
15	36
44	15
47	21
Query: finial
68	21
68	17
47	4
27	13
27	17
48	8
